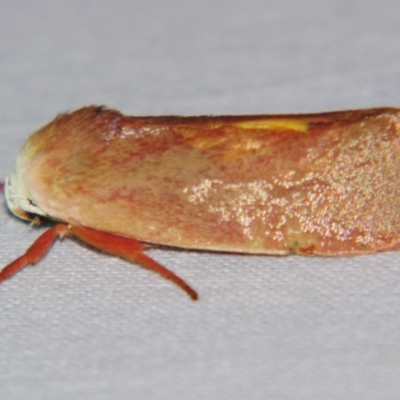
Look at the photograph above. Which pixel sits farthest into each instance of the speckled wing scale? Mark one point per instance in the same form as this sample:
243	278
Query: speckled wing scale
324	184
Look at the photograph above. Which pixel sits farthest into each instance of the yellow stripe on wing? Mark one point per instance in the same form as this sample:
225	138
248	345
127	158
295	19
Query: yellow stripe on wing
275	124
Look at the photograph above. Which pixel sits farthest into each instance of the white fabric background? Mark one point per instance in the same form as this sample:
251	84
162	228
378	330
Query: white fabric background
82	325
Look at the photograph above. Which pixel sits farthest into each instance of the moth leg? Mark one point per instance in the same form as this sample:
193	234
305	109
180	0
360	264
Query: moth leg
36	251
130	249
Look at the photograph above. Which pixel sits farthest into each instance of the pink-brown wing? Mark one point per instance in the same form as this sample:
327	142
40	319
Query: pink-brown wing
314	184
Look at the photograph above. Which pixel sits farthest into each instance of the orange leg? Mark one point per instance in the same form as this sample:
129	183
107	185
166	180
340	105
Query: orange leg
130	249
124	247
36	251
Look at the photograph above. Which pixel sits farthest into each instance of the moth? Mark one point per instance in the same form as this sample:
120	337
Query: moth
323	184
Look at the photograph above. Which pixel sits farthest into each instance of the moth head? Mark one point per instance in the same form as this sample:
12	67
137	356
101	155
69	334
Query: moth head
18	198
